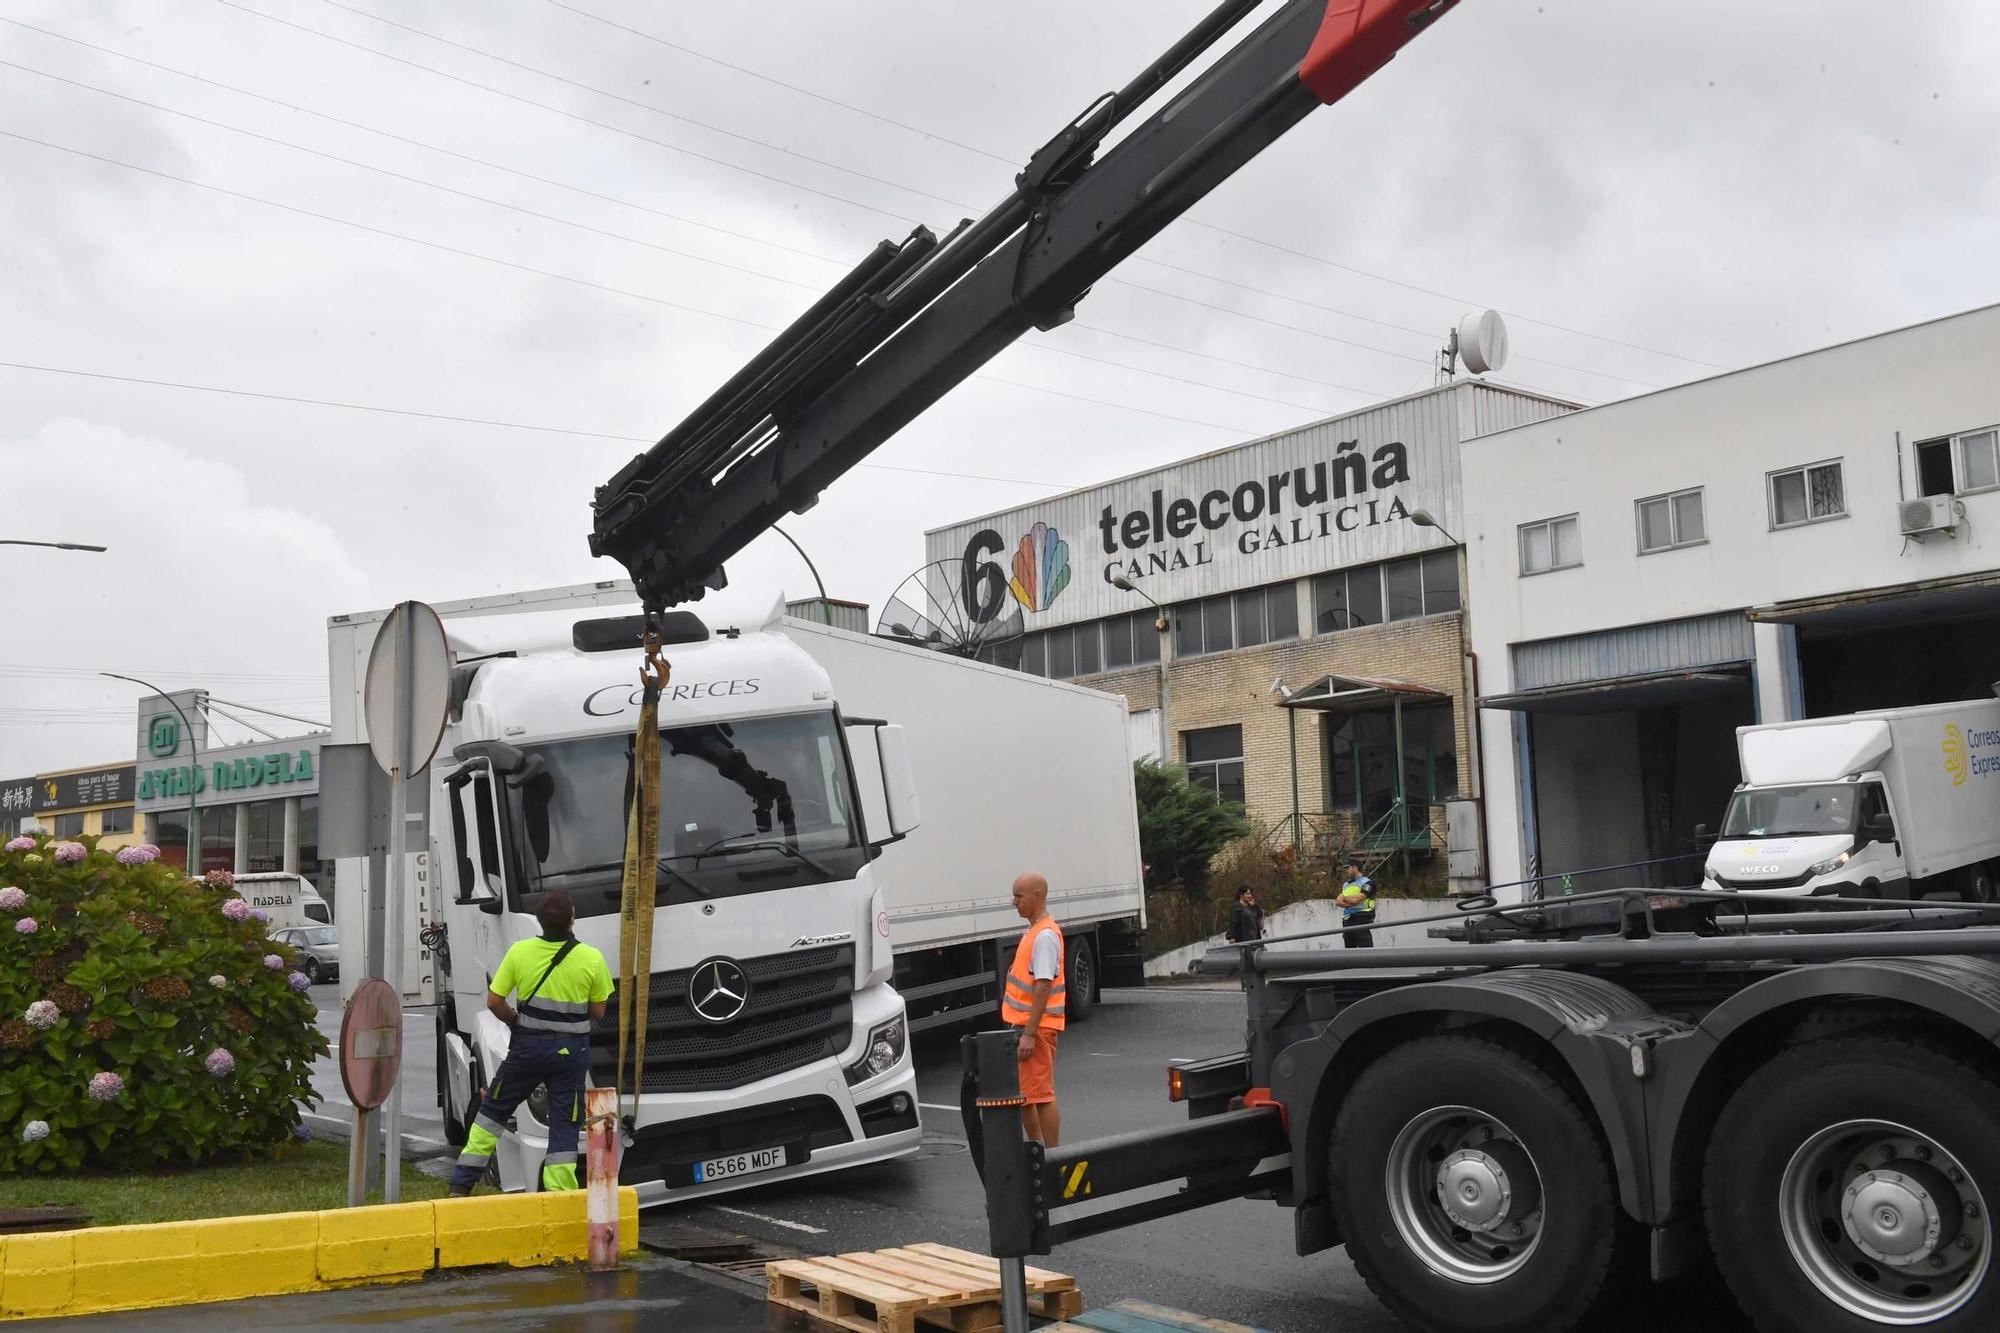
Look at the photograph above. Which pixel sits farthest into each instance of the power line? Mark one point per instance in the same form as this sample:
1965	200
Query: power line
567	114
561	277
1207	226
674	217
270	712
598	231
780	83
470	421
903	218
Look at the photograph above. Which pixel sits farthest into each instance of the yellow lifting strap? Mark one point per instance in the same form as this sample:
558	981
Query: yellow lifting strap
636	893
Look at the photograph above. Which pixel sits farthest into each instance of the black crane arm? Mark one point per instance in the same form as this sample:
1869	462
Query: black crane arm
915	319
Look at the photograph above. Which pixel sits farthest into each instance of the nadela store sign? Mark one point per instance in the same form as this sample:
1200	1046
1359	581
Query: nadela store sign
242	773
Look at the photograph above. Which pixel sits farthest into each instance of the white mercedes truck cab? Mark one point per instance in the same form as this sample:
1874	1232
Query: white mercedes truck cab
776	1046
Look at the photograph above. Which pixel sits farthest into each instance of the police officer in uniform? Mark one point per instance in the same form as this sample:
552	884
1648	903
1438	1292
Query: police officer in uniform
563	984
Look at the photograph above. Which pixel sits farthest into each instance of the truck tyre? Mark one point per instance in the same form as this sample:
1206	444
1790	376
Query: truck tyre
1848	1187
1079	979
1474	1192
1979	883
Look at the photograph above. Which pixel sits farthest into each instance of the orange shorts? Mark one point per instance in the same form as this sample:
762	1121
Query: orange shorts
1038	1071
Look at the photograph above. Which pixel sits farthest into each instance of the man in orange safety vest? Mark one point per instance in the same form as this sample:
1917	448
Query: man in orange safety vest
1034	1001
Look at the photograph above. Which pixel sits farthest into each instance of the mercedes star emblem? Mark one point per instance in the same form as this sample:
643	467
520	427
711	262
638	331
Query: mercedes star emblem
718	990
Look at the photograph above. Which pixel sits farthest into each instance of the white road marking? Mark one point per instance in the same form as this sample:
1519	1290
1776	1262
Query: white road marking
774	1221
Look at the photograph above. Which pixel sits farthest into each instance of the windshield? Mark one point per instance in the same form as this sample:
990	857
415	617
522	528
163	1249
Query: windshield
1802	812
745	806
325	935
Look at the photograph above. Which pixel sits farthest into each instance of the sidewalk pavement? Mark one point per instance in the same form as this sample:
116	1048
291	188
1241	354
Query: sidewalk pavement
648	1292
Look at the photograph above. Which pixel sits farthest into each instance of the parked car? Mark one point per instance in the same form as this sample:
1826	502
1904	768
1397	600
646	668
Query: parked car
318	948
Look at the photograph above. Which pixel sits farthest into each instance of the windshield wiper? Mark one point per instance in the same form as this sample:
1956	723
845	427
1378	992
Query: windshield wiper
730	846
620	865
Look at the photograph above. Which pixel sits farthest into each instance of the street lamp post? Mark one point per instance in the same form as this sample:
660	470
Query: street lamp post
1423	518
58	546
1160	625
194	771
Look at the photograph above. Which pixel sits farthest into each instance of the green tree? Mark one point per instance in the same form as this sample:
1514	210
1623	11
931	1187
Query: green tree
145	1018
1182	826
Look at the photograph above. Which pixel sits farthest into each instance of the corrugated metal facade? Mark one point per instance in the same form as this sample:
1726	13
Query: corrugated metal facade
1234	518
1633	650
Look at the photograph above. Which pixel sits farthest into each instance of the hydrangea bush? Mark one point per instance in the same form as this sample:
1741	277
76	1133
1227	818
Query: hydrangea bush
145	1018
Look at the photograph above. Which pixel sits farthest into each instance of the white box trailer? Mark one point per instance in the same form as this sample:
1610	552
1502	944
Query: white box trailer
1886	803
1016	773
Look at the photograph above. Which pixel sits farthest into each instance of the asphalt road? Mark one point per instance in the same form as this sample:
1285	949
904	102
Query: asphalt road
1234	1261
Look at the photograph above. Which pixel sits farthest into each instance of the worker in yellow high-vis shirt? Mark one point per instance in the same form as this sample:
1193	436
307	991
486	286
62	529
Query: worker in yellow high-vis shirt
564	985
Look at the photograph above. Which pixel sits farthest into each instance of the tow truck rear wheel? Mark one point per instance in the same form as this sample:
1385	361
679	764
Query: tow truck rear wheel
1474	1193
1848	1188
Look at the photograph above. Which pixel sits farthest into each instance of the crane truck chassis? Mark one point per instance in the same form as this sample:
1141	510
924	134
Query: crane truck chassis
1505	1135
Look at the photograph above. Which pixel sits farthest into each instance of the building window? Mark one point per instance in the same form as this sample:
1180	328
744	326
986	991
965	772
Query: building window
116	820
1131	640
1555	543
1441	582
1361	759
1669	521
1807	494
69	826
1959	463
1347	599
1214	759
1236	620
267	836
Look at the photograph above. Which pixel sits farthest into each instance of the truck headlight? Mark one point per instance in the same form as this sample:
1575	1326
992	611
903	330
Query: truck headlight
1831	864
885	1048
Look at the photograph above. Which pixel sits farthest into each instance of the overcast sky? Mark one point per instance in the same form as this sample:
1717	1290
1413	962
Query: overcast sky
579	216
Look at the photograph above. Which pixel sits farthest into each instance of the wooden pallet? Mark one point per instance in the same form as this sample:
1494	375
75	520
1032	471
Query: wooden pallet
1129	1316
888	1291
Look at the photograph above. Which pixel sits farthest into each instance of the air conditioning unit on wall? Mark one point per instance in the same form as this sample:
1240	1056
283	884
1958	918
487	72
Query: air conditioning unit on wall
1933	513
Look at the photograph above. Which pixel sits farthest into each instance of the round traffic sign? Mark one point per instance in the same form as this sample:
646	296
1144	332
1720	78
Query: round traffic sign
407	692
371	1043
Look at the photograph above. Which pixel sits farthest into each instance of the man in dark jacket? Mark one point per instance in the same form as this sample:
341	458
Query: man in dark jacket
1246	922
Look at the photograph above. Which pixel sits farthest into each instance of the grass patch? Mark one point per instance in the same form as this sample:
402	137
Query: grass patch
309	1176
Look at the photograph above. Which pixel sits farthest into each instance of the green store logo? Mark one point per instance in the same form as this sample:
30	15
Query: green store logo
163	735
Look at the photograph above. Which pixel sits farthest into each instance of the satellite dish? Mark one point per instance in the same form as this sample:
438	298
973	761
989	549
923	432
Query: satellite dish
928	612
1482	342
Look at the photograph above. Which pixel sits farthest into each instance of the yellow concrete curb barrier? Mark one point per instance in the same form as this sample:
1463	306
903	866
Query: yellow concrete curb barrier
231	1258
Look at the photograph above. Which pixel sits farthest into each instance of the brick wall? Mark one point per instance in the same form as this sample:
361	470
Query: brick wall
1222	689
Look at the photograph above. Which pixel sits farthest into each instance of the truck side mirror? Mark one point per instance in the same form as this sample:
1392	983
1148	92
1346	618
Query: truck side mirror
1700	831
899	783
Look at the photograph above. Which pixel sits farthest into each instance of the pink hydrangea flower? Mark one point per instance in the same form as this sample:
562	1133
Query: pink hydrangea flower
34	1131
27	925
298	981
261	915
42	1015
106	1087
275	963
220	879
220	1063
21	844
236	910
139	855
68	852
13	899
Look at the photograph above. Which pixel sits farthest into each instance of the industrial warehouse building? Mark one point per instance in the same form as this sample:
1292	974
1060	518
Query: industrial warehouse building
1800	539
1306	613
